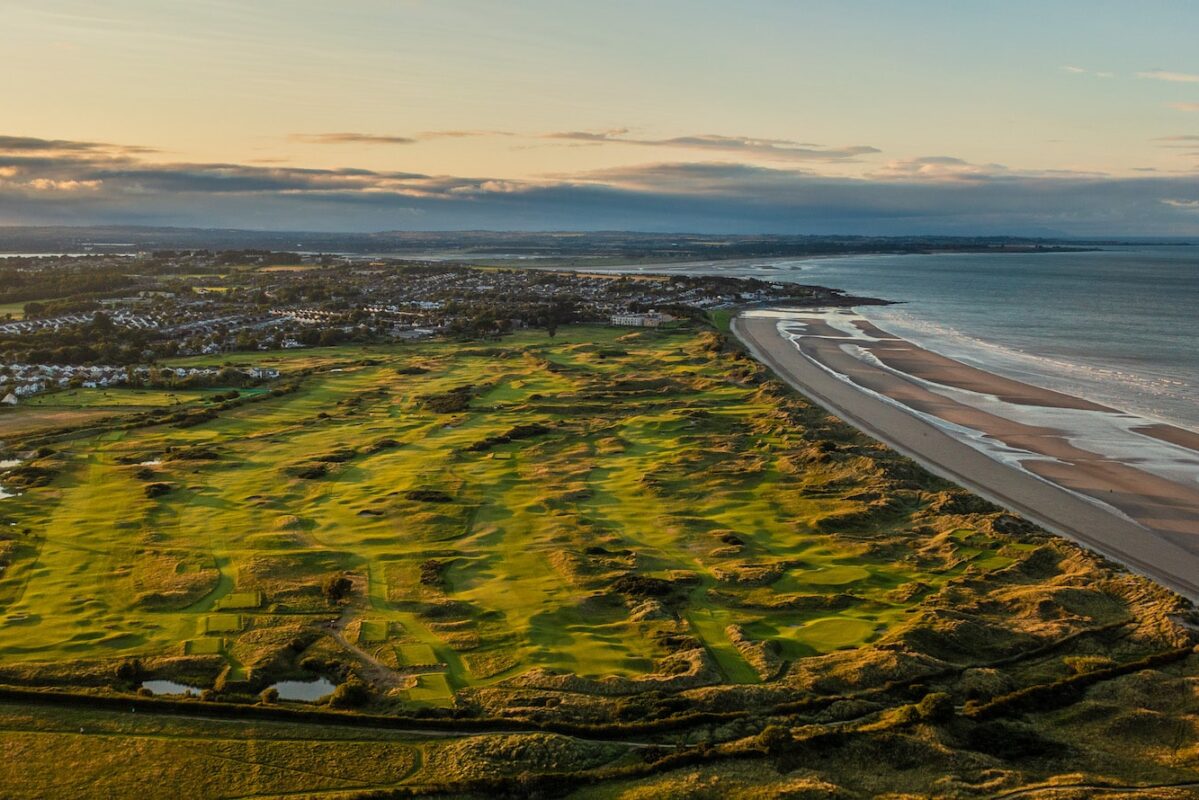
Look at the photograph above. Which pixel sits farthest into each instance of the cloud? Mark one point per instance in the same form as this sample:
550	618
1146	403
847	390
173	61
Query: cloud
772	149
1080	71
777	149
1184	106
1172	77
461	134
933	194
350	138
949	168
31	144
939	168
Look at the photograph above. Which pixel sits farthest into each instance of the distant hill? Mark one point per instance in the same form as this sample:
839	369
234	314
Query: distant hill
474	244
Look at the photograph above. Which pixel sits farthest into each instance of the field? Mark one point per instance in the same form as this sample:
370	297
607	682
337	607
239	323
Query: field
607	527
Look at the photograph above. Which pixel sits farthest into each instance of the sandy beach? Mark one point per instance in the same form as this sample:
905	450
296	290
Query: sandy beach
1122	486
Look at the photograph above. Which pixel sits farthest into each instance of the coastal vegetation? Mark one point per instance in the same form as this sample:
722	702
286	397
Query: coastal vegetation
622	563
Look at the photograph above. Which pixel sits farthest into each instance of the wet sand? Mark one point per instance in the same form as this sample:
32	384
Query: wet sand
1147	521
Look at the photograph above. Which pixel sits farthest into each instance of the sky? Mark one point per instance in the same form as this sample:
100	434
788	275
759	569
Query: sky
916	117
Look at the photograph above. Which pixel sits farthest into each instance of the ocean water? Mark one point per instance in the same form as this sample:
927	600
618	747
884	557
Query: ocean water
1119	326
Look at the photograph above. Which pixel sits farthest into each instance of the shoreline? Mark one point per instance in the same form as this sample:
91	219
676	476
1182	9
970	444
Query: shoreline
911	399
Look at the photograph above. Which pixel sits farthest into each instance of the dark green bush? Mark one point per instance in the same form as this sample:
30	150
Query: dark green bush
351	694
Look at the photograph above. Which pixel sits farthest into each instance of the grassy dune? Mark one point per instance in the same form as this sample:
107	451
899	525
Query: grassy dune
605	528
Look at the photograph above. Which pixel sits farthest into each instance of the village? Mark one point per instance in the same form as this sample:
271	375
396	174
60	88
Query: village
169	304
20	381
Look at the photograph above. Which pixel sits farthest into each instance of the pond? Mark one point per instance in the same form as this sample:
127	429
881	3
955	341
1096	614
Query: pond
8	463
307	691
169	687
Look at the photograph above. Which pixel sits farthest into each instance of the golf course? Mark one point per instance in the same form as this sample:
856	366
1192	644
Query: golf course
632	536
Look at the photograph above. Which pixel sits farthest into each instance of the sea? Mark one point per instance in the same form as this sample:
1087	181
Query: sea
1119	326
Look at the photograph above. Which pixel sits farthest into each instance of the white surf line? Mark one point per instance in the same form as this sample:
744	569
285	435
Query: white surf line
994	449
1073	378
1110	435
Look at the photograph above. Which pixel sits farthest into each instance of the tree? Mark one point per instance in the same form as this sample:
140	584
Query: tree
336	588
351	694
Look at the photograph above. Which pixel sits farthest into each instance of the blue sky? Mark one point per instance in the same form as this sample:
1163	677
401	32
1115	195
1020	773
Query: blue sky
864	117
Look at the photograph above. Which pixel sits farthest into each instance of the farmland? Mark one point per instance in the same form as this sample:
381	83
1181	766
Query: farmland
602	528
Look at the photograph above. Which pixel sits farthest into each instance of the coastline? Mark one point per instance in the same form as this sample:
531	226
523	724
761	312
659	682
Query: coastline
942	413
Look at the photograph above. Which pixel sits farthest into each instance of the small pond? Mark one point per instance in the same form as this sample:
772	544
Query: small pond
169	687
8	463
307	691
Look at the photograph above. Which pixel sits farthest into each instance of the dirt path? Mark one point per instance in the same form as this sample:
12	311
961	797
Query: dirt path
374	671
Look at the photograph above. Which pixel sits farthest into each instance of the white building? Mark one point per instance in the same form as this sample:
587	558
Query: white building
650	320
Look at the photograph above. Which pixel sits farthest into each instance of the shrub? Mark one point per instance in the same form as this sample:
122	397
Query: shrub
428	496
935	707
1082	664
1010	740
157	489
309	472
268	696
337	456
351	694
431	572
129	670
191	453
642	586
450	402
336	588
775	739
313	664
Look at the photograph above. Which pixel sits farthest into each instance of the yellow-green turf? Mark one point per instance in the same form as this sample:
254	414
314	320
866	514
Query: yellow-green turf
17	310
654	452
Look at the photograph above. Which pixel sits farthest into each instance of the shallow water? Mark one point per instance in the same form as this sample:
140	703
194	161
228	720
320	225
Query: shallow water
169	687
307	691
